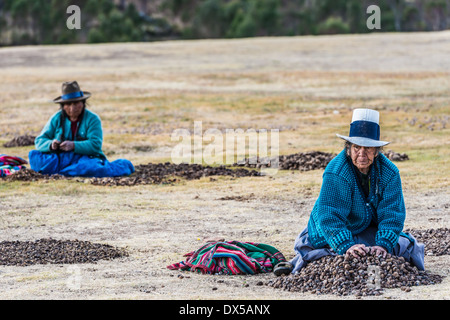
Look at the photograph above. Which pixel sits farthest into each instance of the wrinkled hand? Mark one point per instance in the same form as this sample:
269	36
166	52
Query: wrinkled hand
55	144
379	251
67	146
357	251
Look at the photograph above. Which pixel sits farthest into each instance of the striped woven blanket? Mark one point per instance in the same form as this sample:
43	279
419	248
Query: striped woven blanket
10	164
231	257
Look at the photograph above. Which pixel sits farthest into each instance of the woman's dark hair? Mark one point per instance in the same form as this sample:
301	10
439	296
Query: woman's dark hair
61	104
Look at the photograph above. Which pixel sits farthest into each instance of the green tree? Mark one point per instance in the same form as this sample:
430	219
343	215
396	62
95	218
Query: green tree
356	18
243	25
116	26
397	7
333	25
267	16
209	19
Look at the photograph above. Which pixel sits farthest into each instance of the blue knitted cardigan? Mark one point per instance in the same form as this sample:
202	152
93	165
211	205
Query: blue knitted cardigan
342	210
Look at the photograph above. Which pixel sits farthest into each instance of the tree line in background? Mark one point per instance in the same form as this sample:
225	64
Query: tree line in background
44	21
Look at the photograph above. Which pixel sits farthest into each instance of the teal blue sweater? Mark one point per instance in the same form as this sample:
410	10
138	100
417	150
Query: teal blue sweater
342	210
88	140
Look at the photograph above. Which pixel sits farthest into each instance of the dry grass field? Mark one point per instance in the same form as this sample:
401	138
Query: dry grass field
306	87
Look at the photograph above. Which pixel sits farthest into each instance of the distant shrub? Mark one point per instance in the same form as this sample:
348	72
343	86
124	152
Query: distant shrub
96	36
333	25
246	27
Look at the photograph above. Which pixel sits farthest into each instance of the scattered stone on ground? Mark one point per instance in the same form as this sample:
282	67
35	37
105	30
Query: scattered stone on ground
431	123
20	141
50	251
239	198
436	241
394	156
368	275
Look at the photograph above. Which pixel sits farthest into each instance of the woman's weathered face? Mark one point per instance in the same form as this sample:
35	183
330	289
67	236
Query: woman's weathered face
362	157
73	109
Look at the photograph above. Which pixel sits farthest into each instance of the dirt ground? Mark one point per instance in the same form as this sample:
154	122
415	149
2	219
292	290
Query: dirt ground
157	225
306	86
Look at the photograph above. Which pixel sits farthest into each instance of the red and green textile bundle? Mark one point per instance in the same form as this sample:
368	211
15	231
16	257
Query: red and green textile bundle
10	164
231	257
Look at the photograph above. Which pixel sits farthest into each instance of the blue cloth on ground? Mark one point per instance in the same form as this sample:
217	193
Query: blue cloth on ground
72	164
407	247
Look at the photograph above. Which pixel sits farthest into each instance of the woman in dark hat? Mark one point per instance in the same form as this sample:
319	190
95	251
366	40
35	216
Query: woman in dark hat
360	208
71	142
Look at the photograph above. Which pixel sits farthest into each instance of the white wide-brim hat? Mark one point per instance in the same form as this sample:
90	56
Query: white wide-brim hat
365	129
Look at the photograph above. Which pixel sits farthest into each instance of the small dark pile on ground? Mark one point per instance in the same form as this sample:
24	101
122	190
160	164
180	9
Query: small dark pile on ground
436	241
251	196
167	172
303	161
152	173
50	251
368	275
394	156
26	174
20	141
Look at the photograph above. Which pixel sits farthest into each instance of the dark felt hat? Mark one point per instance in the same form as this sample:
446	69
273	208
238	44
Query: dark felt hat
71	92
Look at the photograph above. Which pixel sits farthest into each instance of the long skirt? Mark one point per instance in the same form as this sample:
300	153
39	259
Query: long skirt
77	165
407	247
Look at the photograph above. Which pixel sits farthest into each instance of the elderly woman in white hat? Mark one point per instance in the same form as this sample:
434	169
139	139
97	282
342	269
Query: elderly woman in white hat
360	208
70	144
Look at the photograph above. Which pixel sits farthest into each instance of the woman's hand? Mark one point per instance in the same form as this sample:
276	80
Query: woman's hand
55	144
379	251
357	251
67	146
